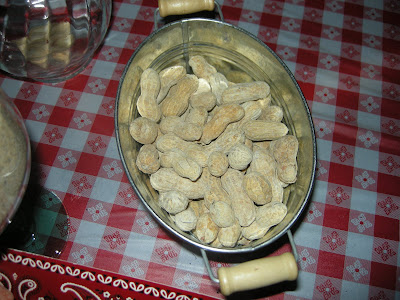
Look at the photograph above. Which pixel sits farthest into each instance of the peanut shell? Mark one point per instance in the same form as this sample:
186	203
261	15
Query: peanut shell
184	130
143	130
197	116
147	159
261	130
239	157
215	191
147	103
257	188
225	115
222	214
228	236
272	113
186	220
206	230
204	99
168	78
201	68
181	163
271	214
243	92
254	232
177	100
173	201
243	206
217	163
166	179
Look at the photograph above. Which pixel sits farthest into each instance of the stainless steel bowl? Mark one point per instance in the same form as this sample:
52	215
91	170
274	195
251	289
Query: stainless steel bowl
233	51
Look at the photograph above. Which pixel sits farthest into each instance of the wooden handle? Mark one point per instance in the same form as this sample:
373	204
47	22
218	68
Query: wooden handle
183	7
257	273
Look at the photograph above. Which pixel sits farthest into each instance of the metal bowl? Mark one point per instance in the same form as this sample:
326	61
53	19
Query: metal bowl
234	52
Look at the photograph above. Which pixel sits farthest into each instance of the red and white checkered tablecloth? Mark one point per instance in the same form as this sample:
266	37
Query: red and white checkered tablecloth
345	56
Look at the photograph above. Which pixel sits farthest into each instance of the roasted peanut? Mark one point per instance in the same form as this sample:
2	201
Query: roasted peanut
217	163
143	130
255	231
197	116
242	205
257	188
205	99
166	179
186	220
173	201
197	153
184	130
261	130
177	100
271	214
147	159
243	241
243	92
239	157
222	214
215	191
225	115
252	111
170	141
194	151
264	163
272	113
198	207
263	144
201	68
285	151
249	144
228	236
147	102
265	102
206	230
181	163
287	173
226	141
219	84
168	78
216	243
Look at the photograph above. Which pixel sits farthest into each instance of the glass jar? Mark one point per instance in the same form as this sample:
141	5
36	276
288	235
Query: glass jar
51	40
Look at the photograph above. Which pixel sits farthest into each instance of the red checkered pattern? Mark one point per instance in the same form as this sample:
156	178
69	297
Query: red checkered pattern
345	57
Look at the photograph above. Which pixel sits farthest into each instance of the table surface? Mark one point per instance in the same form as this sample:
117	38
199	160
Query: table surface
345	57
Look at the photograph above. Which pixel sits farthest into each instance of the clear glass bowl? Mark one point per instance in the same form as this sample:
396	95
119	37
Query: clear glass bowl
51	40
15	160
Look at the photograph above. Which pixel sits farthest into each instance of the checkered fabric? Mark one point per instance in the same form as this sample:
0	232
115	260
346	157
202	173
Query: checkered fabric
345	57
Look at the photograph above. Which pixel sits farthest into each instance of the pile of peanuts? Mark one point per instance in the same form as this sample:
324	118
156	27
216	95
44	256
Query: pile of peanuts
217	152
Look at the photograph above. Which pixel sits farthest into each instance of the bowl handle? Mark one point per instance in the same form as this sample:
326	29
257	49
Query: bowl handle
257	273
182	7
